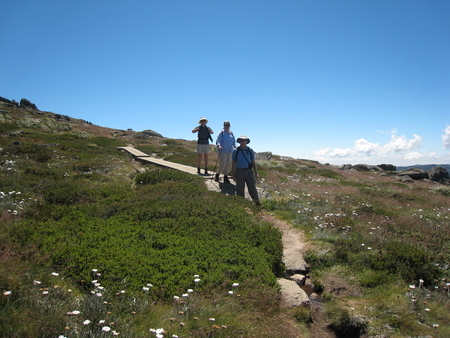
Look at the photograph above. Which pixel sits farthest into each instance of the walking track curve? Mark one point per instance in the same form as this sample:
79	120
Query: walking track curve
294	245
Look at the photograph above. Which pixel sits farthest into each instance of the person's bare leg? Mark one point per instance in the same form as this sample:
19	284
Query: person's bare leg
205	156
199	162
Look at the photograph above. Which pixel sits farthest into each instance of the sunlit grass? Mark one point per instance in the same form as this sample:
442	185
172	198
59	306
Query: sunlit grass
386	239
103	312
367	216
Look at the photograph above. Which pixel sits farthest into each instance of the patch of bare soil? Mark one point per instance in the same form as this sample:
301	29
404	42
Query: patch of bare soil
340	288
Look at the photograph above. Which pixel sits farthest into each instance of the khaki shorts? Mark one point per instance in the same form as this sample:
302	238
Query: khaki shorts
224	163
202	148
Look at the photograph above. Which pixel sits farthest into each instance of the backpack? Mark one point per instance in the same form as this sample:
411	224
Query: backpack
203	133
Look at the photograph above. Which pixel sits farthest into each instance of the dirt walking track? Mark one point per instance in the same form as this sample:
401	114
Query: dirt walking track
294	245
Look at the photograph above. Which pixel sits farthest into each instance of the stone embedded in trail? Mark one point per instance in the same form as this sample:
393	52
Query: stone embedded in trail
291	294
299	279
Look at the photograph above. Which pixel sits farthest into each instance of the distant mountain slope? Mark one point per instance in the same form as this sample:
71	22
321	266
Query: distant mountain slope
425	167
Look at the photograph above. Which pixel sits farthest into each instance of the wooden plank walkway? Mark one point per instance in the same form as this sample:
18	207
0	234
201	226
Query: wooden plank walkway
139	155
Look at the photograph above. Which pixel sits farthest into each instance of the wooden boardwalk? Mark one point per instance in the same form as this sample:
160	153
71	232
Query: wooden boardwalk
139	155
224	188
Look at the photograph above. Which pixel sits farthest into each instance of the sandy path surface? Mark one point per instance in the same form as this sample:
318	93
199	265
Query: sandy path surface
294	245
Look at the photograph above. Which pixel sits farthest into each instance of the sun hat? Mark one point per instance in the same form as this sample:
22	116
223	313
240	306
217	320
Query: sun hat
201	119
242	138
226	123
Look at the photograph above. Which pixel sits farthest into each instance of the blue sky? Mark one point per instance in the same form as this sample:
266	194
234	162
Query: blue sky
334	81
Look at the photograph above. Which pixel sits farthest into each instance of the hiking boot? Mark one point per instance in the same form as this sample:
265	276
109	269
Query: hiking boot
198	170
216	177
206	171
225	179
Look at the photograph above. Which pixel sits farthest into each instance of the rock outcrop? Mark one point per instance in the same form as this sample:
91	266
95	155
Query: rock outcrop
388	167
27	104
413	173
9	103
151	133
60	117
363	167
345	167
439	174
366	167
263	156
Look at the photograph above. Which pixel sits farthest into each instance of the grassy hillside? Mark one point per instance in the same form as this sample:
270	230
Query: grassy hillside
93	243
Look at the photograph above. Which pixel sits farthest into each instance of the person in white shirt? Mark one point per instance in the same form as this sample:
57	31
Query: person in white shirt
225	145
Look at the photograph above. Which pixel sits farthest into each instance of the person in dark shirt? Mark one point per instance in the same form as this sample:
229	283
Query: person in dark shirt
204	135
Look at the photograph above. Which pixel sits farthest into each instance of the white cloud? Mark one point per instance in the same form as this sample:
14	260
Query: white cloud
342	152
364	148
336	152
446	138
414	156
401	143
434	154
322	152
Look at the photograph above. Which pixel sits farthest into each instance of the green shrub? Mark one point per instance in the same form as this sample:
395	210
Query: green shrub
81	134
51	124
171	143
149	149
408	260
104	142
374	278
70	192
27	123
321	259
187	158
7	127
162	232
39	153
328	173
372	209
284	204
161	175
43	171
444	190
156	251
302	315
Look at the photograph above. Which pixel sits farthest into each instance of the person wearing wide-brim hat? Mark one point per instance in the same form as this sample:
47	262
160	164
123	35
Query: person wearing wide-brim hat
244	170
204	135
225	144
